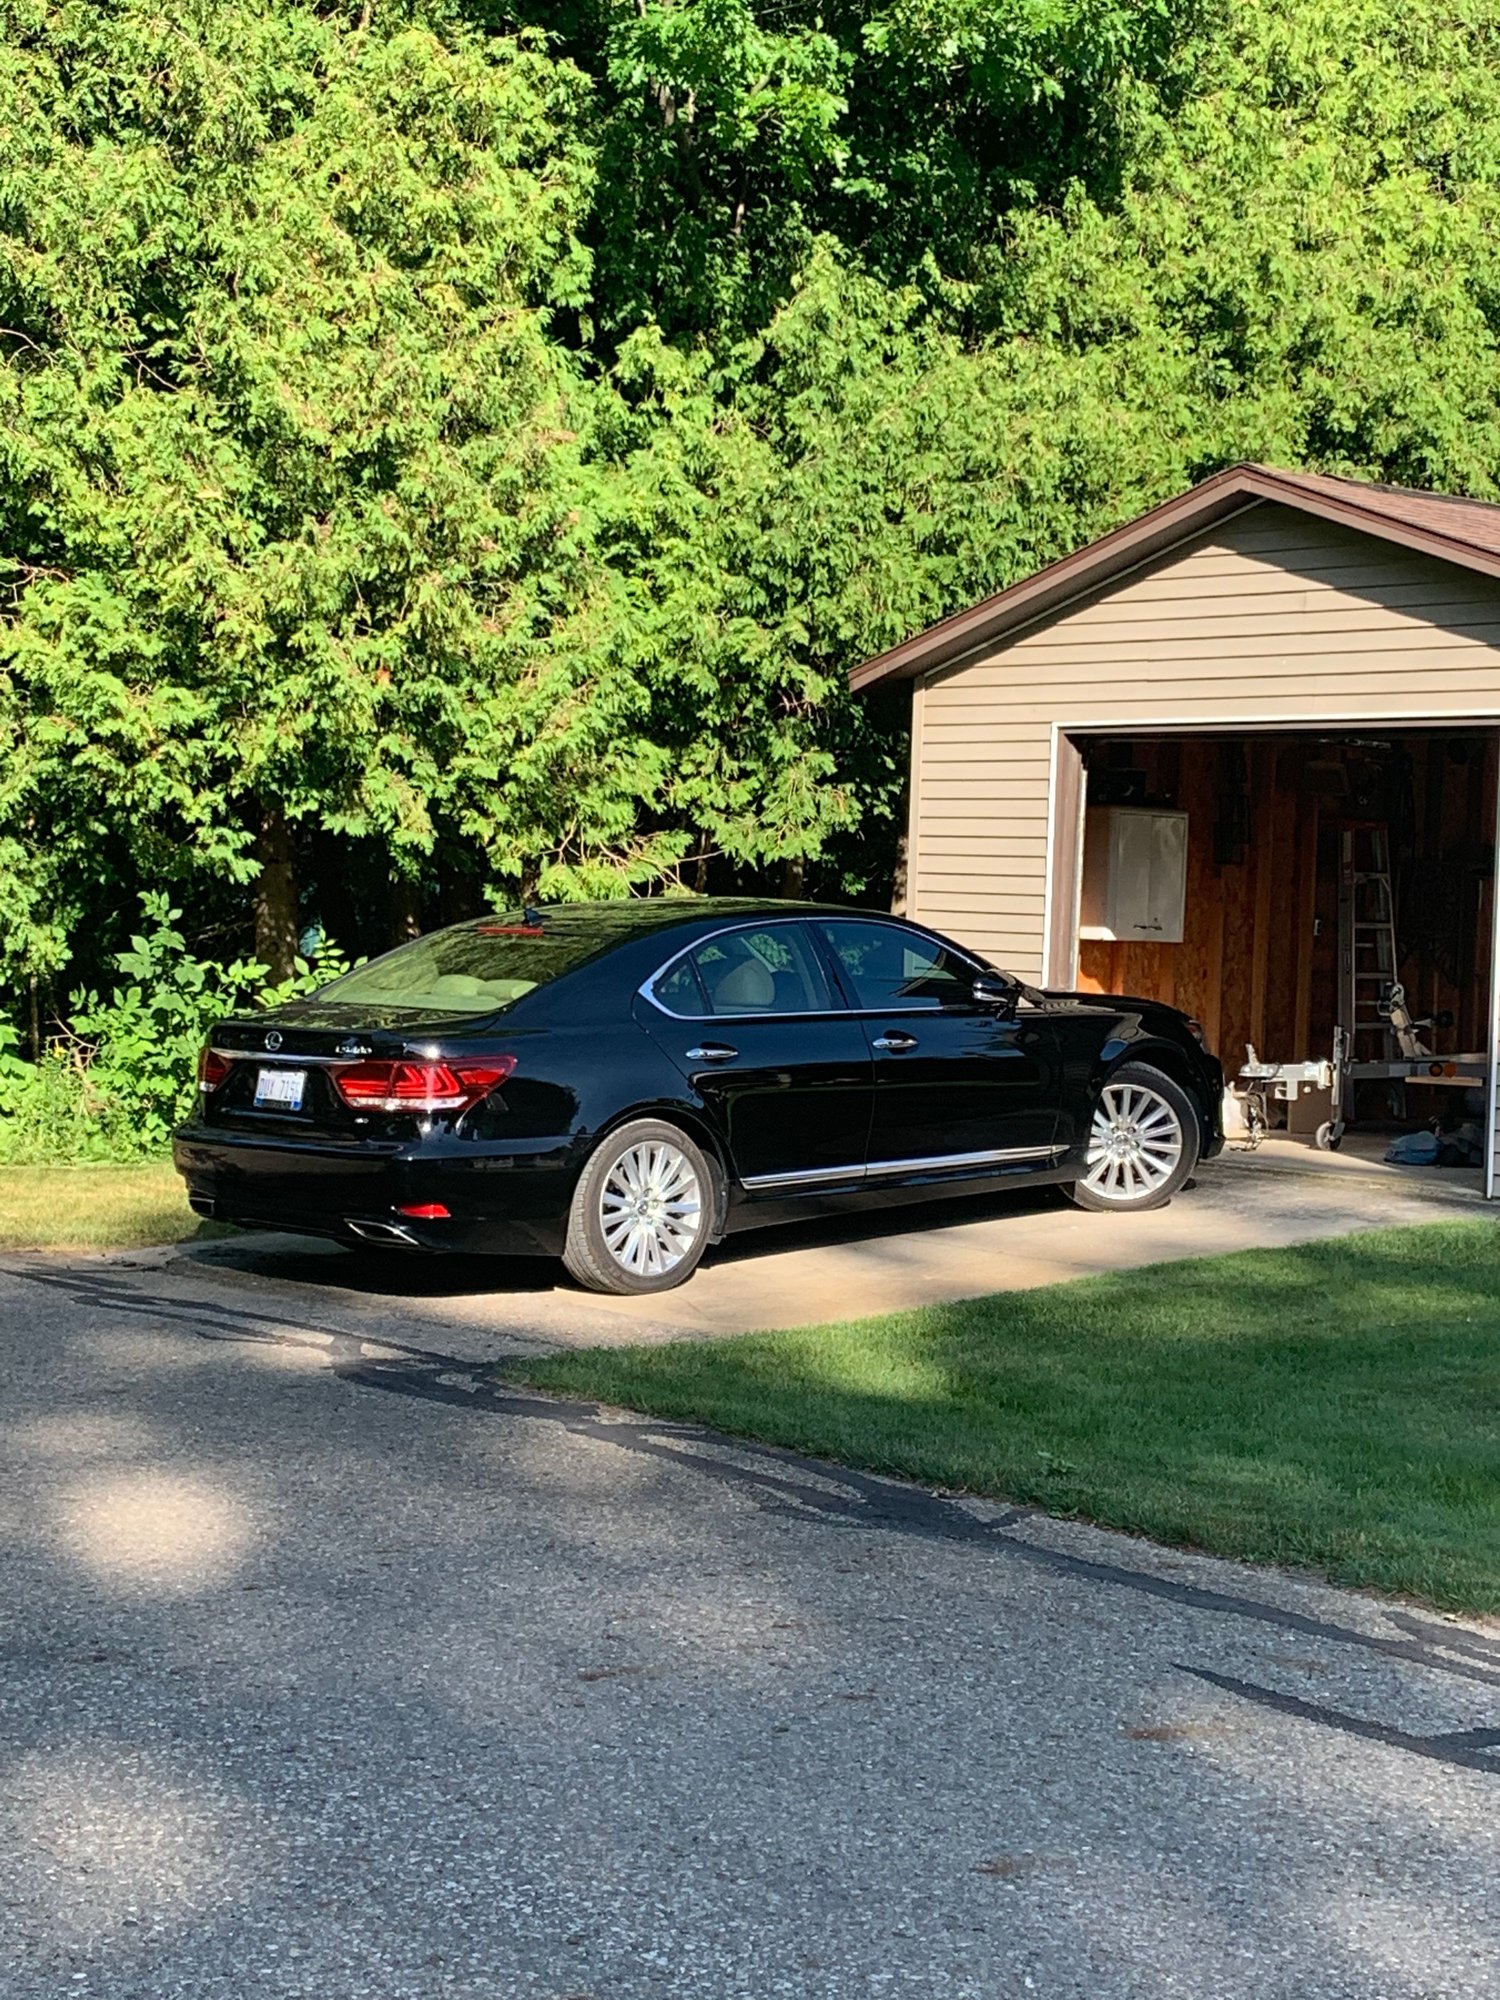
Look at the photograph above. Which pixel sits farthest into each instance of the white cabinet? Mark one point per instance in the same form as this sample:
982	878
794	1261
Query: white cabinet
1134	874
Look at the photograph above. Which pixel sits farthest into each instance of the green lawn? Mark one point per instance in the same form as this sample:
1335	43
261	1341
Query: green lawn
94	1208
1335	1406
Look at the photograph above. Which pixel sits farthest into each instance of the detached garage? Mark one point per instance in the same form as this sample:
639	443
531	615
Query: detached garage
1240	755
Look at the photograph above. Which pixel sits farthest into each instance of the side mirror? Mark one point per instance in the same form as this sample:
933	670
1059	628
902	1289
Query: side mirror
995	989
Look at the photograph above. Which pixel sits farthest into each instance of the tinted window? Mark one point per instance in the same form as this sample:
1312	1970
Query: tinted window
771	970
477	968
678	990
885	967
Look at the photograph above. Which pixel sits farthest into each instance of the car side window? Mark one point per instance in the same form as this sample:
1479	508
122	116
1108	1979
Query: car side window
770	970
890	969
679	989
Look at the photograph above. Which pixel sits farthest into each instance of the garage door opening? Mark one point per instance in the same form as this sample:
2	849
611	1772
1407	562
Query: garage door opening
1316	898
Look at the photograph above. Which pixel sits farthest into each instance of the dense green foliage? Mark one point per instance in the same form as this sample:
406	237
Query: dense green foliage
450	447
281	438
123	1070
733	135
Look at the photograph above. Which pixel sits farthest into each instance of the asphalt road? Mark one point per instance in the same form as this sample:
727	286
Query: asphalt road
328	1669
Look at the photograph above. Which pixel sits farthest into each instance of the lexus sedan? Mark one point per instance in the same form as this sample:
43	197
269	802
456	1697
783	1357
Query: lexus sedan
623	1084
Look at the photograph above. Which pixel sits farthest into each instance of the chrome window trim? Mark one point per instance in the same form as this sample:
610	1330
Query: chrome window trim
855	1013
934	1162
904	928
745	923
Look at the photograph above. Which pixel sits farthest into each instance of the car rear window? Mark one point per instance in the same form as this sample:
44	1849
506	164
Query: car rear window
767	969
478	968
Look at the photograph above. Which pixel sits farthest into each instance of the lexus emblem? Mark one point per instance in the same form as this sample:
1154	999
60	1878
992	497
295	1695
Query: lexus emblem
273	1040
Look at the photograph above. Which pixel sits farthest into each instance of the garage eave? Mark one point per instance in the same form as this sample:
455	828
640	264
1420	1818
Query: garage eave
1465	532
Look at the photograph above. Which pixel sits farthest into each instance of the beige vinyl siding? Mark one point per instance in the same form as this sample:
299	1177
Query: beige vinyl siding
977	851
1274	618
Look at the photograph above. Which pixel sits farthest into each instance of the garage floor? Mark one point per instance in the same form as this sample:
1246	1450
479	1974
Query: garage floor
879	1263
1360	1153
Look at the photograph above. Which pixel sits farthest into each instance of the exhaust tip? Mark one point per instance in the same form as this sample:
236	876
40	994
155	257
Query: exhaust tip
382	1232
203	1204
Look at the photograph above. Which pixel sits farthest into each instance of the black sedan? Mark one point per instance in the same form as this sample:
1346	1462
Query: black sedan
622	1084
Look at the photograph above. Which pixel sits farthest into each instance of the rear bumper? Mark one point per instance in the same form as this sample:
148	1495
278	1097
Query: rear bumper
500	1202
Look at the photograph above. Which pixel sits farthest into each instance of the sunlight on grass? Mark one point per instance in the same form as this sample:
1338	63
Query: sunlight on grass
94	1208
1335	1405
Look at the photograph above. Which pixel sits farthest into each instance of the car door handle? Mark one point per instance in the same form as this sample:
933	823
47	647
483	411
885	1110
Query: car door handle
712	1052
897	1043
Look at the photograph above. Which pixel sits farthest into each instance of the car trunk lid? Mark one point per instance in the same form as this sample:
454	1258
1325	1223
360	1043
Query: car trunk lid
304	1081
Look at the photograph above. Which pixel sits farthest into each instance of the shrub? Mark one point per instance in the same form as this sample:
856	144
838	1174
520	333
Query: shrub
121	1071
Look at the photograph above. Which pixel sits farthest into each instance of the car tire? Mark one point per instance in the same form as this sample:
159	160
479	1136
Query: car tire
1143	1143
642	1212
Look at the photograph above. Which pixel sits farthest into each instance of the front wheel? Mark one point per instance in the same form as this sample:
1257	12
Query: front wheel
1143	1142
641	1211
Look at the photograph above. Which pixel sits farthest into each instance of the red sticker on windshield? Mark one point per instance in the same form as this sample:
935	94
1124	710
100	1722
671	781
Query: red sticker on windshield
510	930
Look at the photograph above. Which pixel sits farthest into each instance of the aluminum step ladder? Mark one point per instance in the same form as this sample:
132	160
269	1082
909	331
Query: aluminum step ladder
1372	1009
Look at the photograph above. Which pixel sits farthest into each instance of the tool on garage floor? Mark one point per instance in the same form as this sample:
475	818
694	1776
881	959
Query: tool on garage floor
1260	1083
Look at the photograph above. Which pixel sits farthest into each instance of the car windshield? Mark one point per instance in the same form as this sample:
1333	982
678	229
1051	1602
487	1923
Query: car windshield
478	968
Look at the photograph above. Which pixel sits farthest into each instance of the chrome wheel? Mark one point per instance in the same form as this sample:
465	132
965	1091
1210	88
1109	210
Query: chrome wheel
650	1209
1135	1145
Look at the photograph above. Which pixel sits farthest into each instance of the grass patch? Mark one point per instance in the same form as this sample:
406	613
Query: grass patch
95	1208
1334	1407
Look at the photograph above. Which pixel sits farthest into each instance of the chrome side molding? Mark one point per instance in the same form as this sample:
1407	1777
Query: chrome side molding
878	1169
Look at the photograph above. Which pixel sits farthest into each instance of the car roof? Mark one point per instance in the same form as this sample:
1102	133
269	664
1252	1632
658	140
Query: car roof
638	916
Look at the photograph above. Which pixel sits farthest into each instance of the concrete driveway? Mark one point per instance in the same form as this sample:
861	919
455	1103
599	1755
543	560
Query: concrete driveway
331	1669
887	1261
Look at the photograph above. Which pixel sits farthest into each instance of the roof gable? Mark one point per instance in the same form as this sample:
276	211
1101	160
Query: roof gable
1465	532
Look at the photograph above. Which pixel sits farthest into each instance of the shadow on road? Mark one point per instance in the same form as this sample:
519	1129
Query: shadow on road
786	1482
344	1660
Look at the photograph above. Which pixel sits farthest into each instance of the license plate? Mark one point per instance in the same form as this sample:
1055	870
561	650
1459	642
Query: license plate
280	1089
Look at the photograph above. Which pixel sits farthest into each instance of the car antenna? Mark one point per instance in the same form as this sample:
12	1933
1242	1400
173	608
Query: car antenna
531	914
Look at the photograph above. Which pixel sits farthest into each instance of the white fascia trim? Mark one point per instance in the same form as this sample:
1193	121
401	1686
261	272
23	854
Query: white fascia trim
1214	725
1049	854
1492	1094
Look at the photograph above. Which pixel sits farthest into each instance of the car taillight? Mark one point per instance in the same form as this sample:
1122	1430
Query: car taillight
420	1086
212	1070
1195	1029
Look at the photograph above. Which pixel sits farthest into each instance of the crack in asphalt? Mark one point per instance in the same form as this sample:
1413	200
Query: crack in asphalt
790	1484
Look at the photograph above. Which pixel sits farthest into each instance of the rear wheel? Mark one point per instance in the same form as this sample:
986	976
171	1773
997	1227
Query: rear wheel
1143	1142
640	1215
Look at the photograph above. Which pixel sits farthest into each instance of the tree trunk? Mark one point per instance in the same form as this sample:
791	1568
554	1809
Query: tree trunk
334	861
405	908
700	869
460	895
275	896
898	886
793	876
